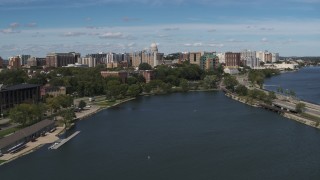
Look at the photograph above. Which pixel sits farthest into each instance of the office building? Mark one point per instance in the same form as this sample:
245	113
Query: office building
232	59
14	62
61	59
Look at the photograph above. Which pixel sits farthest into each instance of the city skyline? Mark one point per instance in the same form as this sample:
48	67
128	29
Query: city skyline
38	27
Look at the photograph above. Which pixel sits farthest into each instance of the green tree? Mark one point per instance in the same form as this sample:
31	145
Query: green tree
134	90
230	82
210	81
68	116
27	114
82	104
300	107
184	85
241	90
145	66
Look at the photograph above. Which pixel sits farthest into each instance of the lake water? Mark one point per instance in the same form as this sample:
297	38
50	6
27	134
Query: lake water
305	83
188	136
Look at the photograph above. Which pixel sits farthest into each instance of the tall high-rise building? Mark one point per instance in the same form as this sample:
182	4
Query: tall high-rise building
268	57
151	56
61	59
248	58
90	61
221	57
209	61
195	58
23	59
14	62
275	57
232	59
36	62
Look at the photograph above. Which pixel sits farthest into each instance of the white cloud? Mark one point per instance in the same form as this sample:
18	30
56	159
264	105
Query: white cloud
14	25
111	35
73	34
9	31
215	45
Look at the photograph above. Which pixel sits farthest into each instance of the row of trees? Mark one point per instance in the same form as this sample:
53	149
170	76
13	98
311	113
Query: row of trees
28	114
258	76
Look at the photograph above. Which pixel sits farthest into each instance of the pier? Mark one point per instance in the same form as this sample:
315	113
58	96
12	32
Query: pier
58	144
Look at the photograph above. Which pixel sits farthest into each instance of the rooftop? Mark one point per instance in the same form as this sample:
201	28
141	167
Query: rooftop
6	141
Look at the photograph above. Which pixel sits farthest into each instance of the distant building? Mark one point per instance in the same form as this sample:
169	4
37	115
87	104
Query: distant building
147	74
275	57
232	59
36	62
53	91
151	56
195	58
123	75
184	56
231	71
209	61
1	62
23	59
90	61
14	62
222	59
248	58
61	59
17	94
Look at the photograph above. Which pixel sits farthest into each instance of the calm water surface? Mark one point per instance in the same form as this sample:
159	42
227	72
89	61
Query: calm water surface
198	135
305	82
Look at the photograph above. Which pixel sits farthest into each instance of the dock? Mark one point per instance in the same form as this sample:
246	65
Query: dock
59	143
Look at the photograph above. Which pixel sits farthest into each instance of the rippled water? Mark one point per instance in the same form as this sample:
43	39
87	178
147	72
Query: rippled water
305	83
197	135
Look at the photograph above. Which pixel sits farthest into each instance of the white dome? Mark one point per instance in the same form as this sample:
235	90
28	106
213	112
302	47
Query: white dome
154	47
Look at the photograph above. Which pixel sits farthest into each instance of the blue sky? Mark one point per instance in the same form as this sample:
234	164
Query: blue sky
37	27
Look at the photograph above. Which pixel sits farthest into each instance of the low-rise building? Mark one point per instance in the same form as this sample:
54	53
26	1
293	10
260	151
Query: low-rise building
18	140
123	75
17	94
53	91
147	74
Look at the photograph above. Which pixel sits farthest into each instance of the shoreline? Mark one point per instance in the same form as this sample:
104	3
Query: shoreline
33	146
286	114
52	137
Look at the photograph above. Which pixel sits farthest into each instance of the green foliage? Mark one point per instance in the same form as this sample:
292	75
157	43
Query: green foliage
184	85
27	114
82	104
230	82
210	82
61	101
145	66
300	107
241	90
258	76
12	77
68	116
134	90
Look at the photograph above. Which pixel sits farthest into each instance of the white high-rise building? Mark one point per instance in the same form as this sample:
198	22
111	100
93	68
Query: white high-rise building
275	57
260	56
221	57
249	58
90	61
